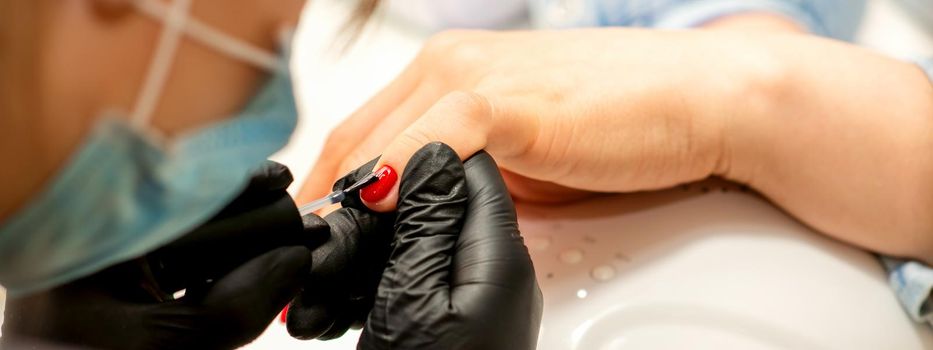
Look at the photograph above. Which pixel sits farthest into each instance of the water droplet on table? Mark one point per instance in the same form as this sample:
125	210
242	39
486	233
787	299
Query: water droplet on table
571	256
603	273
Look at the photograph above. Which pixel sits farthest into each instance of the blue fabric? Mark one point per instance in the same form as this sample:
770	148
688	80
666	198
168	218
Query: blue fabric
927	66
124	194
922	10
832	18
912	282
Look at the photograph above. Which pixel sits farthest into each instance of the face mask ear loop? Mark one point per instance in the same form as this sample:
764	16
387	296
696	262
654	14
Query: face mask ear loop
151	92
231	46
215	39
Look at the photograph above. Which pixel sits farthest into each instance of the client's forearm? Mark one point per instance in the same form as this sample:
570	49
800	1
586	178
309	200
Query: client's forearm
842	138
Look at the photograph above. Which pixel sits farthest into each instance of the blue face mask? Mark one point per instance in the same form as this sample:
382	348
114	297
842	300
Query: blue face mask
126	192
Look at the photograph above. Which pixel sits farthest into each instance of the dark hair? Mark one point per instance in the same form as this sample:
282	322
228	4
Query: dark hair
360	16
364	10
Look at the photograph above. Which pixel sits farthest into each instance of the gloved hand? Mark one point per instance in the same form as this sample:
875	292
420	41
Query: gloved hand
341	288
238	270
458	275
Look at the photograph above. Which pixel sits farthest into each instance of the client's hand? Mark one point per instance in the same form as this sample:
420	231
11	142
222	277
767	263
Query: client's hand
458	275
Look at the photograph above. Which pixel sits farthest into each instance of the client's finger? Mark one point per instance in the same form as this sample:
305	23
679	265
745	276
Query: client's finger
460	120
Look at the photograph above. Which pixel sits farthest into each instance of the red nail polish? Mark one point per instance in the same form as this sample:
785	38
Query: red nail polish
380	189
284	316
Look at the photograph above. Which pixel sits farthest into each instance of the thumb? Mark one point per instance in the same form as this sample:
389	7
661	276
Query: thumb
460	120
414	290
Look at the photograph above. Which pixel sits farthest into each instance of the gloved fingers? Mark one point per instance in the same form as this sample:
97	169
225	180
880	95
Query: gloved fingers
358	243
264	205
233	310
313	313
353	316
490	250
263	285
352	233
493	273
272	176
231	241
316	229
330	317
270	225
340	327
352	200
241	304
360	307
266	185
432	200
494	301
261	218
414	295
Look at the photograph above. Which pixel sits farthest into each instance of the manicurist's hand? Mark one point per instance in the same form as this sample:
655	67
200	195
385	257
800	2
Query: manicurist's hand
238	271
457	274
835	134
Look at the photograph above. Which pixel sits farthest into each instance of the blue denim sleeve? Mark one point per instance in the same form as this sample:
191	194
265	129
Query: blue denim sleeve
832	18
912	281
927	66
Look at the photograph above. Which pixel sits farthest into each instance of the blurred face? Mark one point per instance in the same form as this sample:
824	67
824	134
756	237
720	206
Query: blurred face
94	56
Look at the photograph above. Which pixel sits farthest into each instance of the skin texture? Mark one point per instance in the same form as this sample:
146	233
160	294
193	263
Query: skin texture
93	56
834	134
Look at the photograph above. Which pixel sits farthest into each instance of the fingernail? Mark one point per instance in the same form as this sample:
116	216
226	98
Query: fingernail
380	189
284	316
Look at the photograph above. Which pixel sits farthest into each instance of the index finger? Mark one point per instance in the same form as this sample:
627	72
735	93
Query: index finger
467	122
358	125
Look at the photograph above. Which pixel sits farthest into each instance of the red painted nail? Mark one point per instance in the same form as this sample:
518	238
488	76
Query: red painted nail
380	189
284	316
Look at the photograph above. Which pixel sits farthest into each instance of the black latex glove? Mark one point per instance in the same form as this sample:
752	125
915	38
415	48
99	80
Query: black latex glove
459	275
238	270
341	288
